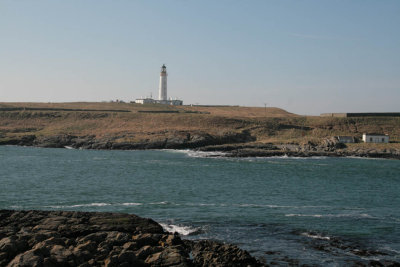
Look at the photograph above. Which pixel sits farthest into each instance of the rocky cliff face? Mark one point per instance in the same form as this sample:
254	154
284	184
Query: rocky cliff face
168	140
328	147
61	238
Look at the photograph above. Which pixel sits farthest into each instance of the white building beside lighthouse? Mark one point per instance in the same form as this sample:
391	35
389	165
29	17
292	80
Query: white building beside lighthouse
162	92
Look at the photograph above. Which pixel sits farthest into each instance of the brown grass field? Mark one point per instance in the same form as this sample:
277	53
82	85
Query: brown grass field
147	122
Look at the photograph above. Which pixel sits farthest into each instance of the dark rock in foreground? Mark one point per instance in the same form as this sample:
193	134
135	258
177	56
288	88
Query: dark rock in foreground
61	238
210	253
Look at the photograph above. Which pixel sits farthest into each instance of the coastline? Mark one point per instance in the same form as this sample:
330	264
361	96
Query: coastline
237	145
328	243
70	238
234	130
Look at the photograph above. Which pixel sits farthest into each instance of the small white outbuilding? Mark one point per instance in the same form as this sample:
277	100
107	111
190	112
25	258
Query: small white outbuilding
375	138
145	101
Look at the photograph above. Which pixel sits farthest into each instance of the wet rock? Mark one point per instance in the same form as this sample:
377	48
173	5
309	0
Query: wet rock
240	147
238	144
126	256
146	239
111	261
28	258
145	251
27	140
130	246
171	240
169	257
87	246
11	246
60	238
331	144
58	141
94	237
211	253
60	255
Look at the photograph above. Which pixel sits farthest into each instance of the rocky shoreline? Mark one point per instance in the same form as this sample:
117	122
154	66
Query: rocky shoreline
232	145
328	148
68	238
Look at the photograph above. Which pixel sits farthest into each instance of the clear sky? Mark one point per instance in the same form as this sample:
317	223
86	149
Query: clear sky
305	56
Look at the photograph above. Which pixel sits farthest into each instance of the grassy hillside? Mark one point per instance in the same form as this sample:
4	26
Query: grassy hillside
151	122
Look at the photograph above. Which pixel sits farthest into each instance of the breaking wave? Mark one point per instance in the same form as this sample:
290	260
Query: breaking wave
316	236
94	205
181	229
80	205
202	154
132	204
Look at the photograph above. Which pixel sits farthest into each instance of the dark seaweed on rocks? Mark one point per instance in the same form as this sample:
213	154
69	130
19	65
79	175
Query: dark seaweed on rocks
233	144
66	238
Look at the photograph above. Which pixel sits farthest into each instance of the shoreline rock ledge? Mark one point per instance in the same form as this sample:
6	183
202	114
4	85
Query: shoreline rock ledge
69	238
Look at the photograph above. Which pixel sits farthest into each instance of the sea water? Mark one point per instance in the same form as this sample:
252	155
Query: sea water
324	211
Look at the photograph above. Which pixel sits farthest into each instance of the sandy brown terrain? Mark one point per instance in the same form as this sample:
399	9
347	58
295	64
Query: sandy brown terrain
135	123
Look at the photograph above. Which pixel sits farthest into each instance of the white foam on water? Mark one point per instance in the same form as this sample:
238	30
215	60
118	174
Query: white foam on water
391	249
180	229
281	160
159	203
56	207
202	154
255	206
15	207
363	215
373	258
201	204
278	206
207	154
92	205
304	215
80	205
132	204
355	157
99	158
292	157
316	236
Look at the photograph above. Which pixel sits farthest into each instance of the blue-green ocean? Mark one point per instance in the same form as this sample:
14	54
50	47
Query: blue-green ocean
324	211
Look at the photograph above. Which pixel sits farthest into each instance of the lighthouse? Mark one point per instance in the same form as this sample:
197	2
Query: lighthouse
162	92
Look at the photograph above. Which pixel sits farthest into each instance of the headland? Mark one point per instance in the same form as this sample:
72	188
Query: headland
237	131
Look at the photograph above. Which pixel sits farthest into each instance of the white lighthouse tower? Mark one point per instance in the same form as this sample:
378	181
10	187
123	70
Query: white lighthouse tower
162	93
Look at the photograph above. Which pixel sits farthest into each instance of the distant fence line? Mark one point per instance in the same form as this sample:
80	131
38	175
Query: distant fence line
214	106
158	111
366	114
60	109
174	111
